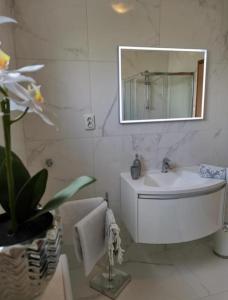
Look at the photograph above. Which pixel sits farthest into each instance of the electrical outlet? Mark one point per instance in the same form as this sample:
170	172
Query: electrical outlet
89	121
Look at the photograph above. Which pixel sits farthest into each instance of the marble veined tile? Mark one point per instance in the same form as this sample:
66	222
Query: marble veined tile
68	124
218	296
80	285
111	157
193	147
148	282
146	254
5	6
107	29
51	29
6	33
224	41
194	24
104	82
66	90
65	84
64	153
166	272
199	260
71	158
217	90
183	148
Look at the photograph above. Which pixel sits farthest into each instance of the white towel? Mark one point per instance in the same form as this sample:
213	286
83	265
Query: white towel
90	237
113	240
73	211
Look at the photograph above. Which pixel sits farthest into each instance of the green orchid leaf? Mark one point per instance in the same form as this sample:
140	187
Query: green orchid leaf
65	194
21	176
30	195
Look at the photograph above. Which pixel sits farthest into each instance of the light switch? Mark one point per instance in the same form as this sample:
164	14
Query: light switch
89	121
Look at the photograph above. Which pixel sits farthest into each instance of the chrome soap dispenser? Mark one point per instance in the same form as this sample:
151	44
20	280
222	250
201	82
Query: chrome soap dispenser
136	168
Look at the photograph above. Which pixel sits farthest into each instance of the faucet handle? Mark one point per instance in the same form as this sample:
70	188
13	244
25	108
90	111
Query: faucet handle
165	164
166	160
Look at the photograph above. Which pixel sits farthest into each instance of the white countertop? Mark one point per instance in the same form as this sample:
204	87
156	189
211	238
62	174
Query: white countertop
203	184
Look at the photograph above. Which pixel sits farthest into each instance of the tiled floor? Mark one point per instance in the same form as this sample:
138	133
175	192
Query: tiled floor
174	272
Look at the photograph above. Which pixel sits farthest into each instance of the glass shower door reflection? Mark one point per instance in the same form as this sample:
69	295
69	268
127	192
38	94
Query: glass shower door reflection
164	96
180	96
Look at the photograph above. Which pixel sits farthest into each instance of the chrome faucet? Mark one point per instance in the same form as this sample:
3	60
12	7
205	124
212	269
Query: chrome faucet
165	165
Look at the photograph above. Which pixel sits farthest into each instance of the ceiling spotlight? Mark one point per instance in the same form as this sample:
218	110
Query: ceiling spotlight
121	7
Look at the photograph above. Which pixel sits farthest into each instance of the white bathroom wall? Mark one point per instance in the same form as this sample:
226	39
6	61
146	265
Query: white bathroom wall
6	37
77	40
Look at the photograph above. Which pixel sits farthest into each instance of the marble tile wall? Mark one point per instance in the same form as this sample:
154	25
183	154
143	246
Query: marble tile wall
77	40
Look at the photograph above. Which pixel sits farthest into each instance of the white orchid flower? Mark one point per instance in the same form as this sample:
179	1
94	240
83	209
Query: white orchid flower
27	69
35	92
10	76
29	99
4	60
4	20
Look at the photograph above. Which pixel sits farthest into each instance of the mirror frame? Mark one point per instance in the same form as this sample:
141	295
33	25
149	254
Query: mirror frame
121	119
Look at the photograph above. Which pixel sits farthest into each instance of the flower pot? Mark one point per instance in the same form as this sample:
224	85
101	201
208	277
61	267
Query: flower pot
28	259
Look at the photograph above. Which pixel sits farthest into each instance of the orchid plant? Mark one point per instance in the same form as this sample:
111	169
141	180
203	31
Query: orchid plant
20	194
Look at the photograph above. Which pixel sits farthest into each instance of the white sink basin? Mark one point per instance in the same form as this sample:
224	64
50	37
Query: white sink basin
175	179
173	207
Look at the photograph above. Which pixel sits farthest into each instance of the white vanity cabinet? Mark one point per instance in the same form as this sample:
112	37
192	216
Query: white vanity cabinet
163	215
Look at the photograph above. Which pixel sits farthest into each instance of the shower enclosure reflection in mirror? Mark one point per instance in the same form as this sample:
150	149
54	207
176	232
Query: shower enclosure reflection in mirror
161	84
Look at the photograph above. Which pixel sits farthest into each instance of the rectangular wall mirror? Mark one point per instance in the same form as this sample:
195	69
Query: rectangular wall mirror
161	84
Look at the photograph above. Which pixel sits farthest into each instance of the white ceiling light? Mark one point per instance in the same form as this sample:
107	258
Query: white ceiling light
121	7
